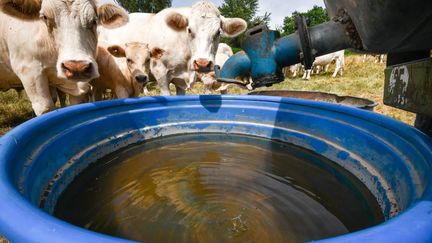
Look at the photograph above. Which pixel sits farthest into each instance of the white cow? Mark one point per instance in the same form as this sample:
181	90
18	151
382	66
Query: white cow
379	58
51	43
224	49
293	70
325	61
189	36
224	52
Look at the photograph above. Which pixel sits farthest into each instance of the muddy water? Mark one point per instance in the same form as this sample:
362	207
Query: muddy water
217	188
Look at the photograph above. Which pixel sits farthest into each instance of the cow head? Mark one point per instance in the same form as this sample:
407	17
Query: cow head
138	57
71	24
204	27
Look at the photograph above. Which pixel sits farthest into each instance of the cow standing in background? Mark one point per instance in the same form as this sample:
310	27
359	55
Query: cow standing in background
125	70
51	43
379	58
292	70
189	36
325	61
224	52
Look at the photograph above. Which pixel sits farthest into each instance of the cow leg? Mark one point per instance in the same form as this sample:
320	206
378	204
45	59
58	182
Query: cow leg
180	91
306	75
381	58
62	98
164	87
121	92
208	88
160	73
180	85
338	67
54	94
37	89
191	80
98	94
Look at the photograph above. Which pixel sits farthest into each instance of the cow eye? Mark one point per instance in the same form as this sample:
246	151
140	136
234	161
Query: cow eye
191	34
129	60
43	17
94	22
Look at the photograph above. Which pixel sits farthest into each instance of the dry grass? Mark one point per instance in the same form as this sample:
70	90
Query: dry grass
15	109
360	79
365	80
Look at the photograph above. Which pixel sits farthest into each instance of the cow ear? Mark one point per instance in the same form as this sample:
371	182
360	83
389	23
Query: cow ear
157	53
112	16
233	27
117	51
177	21
22	9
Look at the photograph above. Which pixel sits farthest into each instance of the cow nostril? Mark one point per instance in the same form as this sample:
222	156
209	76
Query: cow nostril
88	69
210	64
141	78
202	63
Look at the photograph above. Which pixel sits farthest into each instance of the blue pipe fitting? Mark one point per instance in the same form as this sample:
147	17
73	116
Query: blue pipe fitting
265	53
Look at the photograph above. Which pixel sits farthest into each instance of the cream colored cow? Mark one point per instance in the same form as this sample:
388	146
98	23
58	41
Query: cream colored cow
189	36
124	70
325	60
51	43
224	52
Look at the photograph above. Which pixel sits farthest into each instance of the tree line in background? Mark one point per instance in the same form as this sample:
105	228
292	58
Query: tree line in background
245	9
315	16
145	6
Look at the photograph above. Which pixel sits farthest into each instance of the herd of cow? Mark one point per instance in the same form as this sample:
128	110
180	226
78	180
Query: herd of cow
74	46
51	48
322	63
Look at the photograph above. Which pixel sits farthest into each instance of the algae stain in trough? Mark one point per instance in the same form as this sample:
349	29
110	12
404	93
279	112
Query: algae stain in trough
217	188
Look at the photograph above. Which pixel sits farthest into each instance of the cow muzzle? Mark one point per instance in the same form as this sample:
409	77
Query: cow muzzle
141	79
202	65
84	70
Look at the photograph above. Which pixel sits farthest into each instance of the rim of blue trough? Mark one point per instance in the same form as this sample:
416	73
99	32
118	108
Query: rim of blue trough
22	221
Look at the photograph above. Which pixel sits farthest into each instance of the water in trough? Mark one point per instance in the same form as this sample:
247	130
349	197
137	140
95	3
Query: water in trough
218	188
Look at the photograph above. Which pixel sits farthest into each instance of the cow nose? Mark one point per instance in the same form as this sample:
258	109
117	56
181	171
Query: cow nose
141	78
77	69
202	65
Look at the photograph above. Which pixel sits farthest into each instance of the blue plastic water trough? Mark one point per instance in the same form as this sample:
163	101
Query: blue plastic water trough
41	157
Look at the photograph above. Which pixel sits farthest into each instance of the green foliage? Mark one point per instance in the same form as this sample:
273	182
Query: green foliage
265	19
236	49
315	16
146	6
245	9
